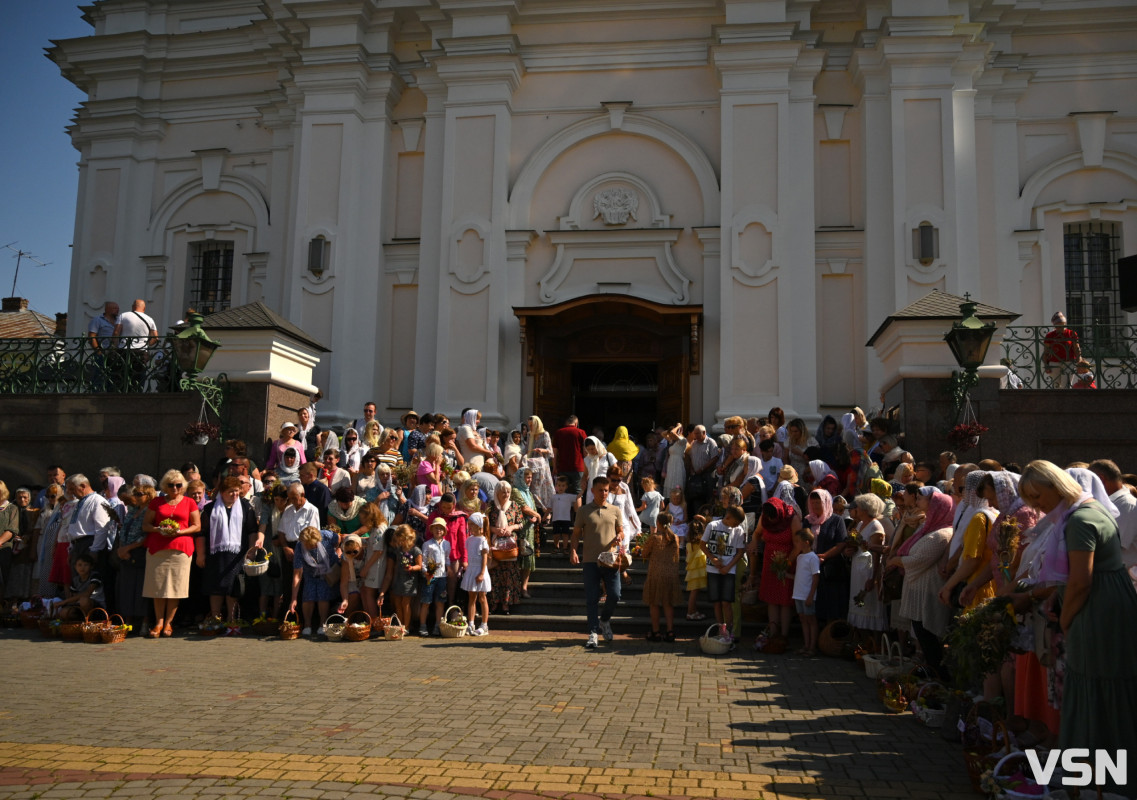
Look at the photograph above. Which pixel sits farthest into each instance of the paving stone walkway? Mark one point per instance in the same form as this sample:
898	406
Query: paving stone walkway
507	717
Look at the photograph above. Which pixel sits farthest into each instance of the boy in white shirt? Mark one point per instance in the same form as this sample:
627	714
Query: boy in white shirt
436	551
771	465
565	504
807	573
724	542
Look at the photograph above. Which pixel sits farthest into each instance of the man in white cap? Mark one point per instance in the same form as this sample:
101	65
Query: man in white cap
1061	352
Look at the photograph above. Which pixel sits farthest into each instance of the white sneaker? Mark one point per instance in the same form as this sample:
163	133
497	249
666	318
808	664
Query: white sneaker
306	632
483	629
606	629
471	630
592	642
320	631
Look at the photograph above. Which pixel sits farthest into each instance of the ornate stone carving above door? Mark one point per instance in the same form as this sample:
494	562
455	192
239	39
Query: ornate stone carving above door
614	199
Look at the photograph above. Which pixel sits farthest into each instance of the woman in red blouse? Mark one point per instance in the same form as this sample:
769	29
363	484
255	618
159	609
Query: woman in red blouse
169	550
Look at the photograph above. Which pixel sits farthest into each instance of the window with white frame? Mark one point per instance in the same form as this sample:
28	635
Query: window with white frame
1093	299
211	276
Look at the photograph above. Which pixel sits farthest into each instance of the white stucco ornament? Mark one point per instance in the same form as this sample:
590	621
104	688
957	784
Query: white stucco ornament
616	205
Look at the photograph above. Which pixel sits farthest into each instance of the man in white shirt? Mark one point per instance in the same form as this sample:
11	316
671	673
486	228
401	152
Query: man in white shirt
299	514
91	522
1126	503
135	331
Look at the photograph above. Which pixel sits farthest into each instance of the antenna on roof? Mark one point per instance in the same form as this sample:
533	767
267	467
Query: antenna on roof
21	255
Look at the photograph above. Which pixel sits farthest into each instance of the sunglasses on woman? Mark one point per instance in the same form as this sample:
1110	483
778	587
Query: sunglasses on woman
176	485
351	552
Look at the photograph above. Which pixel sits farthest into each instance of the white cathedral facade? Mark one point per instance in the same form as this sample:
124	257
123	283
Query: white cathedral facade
658	209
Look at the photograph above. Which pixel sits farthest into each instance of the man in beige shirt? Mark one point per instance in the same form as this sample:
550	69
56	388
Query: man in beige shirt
600	525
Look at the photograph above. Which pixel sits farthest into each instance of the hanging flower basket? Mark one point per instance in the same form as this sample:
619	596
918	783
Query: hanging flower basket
965	435
201	433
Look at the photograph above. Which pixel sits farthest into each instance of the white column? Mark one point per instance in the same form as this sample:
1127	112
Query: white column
767	285
481	74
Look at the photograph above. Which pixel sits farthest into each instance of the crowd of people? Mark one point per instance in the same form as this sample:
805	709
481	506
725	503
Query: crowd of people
841	524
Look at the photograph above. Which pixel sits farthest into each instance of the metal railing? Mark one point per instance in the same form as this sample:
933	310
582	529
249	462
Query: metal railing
1110	352
75	366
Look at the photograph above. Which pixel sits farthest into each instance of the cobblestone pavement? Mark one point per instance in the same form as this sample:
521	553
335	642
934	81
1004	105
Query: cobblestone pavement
507	717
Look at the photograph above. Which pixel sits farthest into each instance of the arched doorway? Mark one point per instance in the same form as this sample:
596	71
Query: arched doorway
611	360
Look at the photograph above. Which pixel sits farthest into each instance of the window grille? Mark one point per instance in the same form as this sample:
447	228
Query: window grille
1093	299
211	276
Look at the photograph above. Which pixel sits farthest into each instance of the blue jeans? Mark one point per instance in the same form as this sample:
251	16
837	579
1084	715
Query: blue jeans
593	575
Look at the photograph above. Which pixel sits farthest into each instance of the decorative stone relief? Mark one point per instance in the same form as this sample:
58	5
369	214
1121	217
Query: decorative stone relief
615	198
616	205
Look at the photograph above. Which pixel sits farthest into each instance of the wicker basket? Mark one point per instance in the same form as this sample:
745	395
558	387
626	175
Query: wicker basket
358	630
92	628
334	630
985	754
394	630
749	597
874	661
289	630
379	625
504	553
256	561
47	627
266	627
211	626
932	717
833	637
71	631
112	633
452	630
712	645
31	619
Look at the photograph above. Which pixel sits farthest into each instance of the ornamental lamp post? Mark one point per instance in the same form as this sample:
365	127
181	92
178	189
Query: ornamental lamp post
968	340
192	350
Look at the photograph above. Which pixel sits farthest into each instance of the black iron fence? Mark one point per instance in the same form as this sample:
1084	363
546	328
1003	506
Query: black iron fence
1102	355
76	366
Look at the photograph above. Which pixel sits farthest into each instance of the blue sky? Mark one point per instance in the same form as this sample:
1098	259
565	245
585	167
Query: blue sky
38	169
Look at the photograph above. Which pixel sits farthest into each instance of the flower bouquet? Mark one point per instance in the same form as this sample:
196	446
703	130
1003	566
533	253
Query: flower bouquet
981	639
638	543
780	563
169	527
1007	544
404	474
429	568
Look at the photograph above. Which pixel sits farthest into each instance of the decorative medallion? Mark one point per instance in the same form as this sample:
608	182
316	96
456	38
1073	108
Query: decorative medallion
615	205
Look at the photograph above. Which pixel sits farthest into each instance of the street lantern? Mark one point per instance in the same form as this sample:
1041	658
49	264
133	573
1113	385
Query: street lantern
193	348
968	340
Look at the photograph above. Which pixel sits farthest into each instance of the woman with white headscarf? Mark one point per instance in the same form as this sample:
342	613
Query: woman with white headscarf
971	547
597	460
352	453
1078	561
537	455
506	520
512	454
470	443
1001	490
